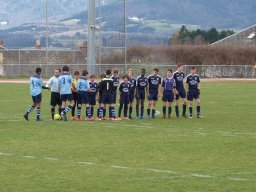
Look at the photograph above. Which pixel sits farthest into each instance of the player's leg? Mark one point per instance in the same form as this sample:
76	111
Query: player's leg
150	103
52	111
137	107
142	108
112	111
191	108
75	95
169	109
154	109
177	106
30	109
164	108
89	112
53	105
38	111
131	99
69	97
120	109
198	108
184	110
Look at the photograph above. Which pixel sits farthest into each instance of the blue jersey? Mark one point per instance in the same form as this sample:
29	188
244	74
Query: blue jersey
142	82
94	88
115	82
124	88
82	84
168	84
154	82
36	84
193	81
65	81
132	83
179	78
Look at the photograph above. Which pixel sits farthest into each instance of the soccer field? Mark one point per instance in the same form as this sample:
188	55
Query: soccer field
217	153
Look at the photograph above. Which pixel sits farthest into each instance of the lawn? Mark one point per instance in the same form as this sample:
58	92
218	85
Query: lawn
217	153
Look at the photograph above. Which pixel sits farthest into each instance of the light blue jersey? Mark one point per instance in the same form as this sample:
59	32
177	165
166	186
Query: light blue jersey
36	84
65	81
82	84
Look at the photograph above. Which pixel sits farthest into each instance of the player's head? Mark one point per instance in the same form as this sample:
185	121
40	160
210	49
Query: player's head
57	72
169	72
103	75
108	72
143	72
155	71
193	70
130	72
76	74
84	73
92	78
180	66
114	72
38	71
126	78
65	69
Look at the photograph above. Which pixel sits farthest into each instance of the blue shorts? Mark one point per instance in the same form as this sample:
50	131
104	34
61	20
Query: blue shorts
114	97
153	96
107	98
131	97
168	96
92	99
141	94
66	97
82	98
37	99
181	93
124	99
193	94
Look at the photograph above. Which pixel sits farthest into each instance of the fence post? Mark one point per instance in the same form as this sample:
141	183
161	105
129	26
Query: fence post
245	67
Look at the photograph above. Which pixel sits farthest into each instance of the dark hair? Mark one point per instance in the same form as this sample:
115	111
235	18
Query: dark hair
180	64
169	70
38	70
58	70
193	68
103	75
84	72
76	73
93	76
115	71
125	76
108	72
65	68
156	69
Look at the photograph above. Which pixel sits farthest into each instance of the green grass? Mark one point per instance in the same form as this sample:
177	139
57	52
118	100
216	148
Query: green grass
212	154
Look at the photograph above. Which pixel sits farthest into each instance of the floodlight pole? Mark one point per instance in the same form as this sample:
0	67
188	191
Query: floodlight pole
91	61
46	35
125	35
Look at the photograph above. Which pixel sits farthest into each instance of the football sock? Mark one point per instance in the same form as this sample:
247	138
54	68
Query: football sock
125	110
191	111
73	110
164	111
101	112
92	111
177	111
120	110
38	112
60	110
141	111
79	112
153	112
130	111
109	112
148	112
169	110
88	111
98	111
68	109
113	112
137	110
198	108
52	112
30	109
104	112
184	109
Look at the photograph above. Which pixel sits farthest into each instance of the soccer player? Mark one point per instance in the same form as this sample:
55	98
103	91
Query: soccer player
115	79
107	89
142	82
53	83
193	87
169	91
153	91
36	86
83	87
124	89
93	94
74	93
179	77
65	83
102	76
132	82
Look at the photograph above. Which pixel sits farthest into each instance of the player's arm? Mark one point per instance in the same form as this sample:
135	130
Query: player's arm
162	87
174	89
42	84
159	88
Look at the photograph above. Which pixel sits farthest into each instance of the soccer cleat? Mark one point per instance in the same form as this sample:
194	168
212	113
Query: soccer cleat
73	118
26	117
105	119
185	116
190	117
64	117
90	119
98	119
79	119
38	119
200	116
125	118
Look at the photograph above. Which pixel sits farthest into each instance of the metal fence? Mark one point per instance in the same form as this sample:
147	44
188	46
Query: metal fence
205	71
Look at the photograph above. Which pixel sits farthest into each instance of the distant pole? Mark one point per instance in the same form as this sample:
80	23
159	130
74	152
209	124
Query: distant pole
46	35
91	61
125	36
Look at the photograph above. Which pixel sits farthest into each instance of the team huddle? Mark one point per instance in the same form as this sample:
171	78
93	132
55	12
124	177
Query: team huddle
72	93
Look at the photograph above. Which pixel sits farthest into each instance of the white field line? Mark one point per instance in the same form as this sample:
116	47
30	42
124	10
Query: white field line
238	179
201	175
119	167
85	163
5	154
51	159
161	171
30	157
